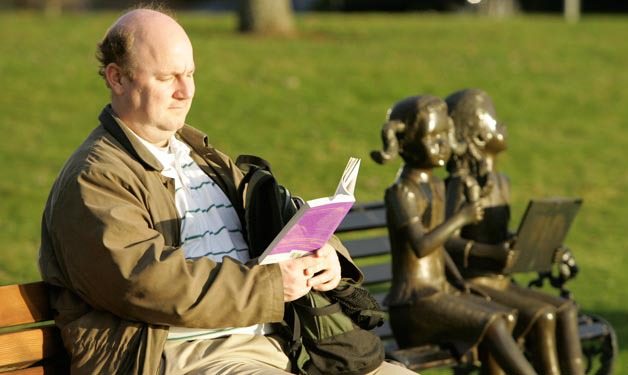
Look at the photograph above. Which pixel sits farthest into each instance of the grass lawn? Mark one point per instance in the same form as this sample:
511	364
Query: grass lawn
309	102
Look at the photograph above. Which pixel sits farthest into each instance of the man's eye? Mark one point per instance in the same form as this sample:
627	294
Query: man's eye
165	78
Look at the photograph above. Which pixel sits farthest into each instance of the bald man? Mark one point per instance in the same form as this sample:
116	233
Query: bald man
142	239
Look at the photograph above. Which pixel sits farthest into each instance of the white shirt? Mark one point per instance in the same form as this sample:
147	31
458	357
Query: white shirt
210	226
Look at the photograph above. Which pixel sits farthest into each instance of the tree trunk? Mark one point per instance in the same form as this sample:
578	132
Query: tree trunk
572	10
498	8
266	16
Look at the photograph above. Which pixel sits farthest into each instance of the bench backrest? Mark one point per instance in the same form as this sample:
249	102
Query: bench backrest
29	341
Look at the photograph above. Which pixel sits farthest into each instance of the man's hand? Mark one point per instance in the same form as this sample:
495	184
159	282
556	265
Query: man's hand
319	271
326	274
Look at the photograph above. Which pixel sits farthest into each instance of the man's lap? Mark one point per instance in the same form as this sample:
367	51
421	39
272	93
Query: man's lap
238	354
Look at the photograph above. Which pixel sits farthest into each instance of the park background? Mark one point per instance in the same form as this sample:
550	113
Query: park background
308	101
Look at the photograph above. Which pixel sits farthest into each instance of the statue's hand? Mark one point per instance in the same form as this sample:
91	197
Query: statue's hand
505	255
566	262
473	212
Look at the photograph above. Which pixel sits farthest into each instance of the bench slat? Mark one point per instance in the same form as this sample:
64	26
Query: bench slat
37	370
24	303
22	348
364	216
366	247
377	273
53	368
423	357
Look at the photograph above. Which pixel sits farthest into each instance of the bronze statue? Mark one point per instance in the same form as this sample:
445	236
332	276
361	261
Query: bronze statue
483	250
423	306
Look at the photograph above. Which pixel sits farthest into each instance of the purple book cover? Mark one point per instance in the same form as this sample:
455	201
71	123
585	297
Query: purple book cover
315	222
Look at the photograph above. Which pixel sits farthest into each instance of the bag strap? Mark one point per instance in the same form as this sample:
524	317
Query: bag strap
247	162
332	308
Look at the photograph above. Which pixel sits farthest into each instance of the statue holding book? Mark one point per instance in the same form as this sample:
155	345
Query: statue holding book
424	307
485	251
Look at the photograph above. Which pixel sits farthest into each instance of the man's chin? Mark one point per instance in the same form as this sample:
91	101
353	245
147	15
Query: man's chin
171	127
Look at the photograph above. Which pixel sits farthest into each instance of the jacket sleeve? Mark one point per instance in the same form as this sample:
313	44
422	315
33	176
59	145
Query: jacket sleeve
349	270
116	260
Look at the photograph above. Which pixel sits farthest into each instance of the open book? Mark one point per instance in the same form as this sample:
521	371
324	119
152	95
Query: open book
314	223
542	230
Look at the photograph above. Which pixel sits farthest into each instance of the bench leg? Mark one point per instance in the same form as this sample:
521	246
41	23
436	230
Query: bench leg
600	349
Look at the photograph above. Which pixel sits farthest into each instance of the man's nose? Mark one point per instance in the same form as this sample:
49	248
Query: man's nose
185	88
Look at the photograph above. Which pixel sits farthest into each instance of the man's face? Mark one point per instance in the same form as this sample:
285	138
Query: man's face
156	97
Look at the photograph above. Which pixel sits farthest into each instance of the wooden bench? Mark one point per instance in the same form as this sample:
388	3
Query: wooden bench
30	344
364	233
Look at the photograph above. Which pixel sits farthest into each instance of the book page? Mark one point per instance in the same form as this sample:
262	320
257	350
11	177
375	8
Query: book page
349	178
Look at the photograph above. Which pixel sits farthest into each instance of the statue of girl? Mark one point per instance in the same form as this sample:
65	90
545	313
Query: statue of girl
483	250
424	307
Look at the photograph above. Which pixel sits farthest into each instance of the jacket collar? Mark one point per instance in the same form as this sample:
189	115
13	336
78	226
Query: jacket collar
193	137
122	134
210	159
211	162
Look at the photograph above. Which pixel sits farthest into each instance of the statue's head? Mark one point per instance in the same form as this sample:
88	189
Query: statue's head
419	130
475	121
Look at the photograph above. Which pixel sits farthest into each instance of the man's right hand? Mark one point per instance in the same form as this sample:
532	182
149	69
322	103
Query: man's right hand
295	276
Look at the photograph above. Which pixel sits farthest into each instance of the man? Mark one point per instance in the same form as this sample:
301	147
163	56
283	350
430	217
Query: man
142	237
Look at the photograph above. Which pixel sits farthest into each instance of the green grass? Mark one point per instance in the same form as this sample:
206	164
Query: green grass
308	103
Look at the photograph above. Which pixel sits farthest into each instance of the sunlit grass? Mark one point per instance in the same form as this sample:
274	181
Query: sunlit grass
309	102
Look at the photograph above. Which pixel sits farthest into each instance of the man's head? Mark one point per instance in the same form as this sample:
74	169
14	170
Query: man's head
147	62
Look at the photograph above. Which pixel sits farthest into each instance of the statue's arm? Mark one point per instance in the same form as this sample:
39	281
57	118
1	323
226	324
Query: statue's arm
407	208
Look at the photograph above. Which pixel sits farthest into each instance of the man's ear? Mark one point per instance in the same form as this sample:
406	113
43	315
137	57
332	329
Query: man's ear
114	76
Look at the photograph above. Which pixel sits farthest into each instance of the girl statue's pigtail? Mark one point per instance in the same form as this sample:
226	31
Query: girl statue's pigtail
390	142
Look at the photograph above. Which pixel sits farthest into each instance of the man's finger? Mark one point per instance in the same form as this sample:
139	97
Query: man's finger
325	250
313	270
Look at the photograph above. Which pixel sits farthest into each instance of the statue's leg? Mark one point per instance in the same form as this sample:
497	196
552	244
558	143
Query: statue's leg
569	347
489	364
542	344
505	351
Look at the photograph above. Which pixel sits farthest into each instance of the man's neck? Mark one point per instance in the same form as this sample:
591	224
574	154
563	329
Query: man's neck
157	138
153	135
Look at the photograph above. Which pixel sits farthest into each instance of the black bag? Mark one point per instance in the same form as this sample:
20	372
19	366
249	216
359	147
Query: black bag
328	341
329	330
267	205
359	304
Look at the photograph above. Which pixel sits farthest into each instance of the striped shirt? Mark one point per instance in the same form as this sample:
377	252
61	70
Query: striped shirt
210	226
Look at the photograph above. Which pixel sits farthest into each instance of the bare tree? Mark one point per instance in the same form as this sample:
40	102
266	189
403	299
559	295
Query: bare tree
266	16
571	10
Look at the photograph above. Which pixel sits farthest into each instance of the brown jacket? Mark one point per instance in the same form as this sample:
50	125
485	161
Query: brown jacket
110	249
